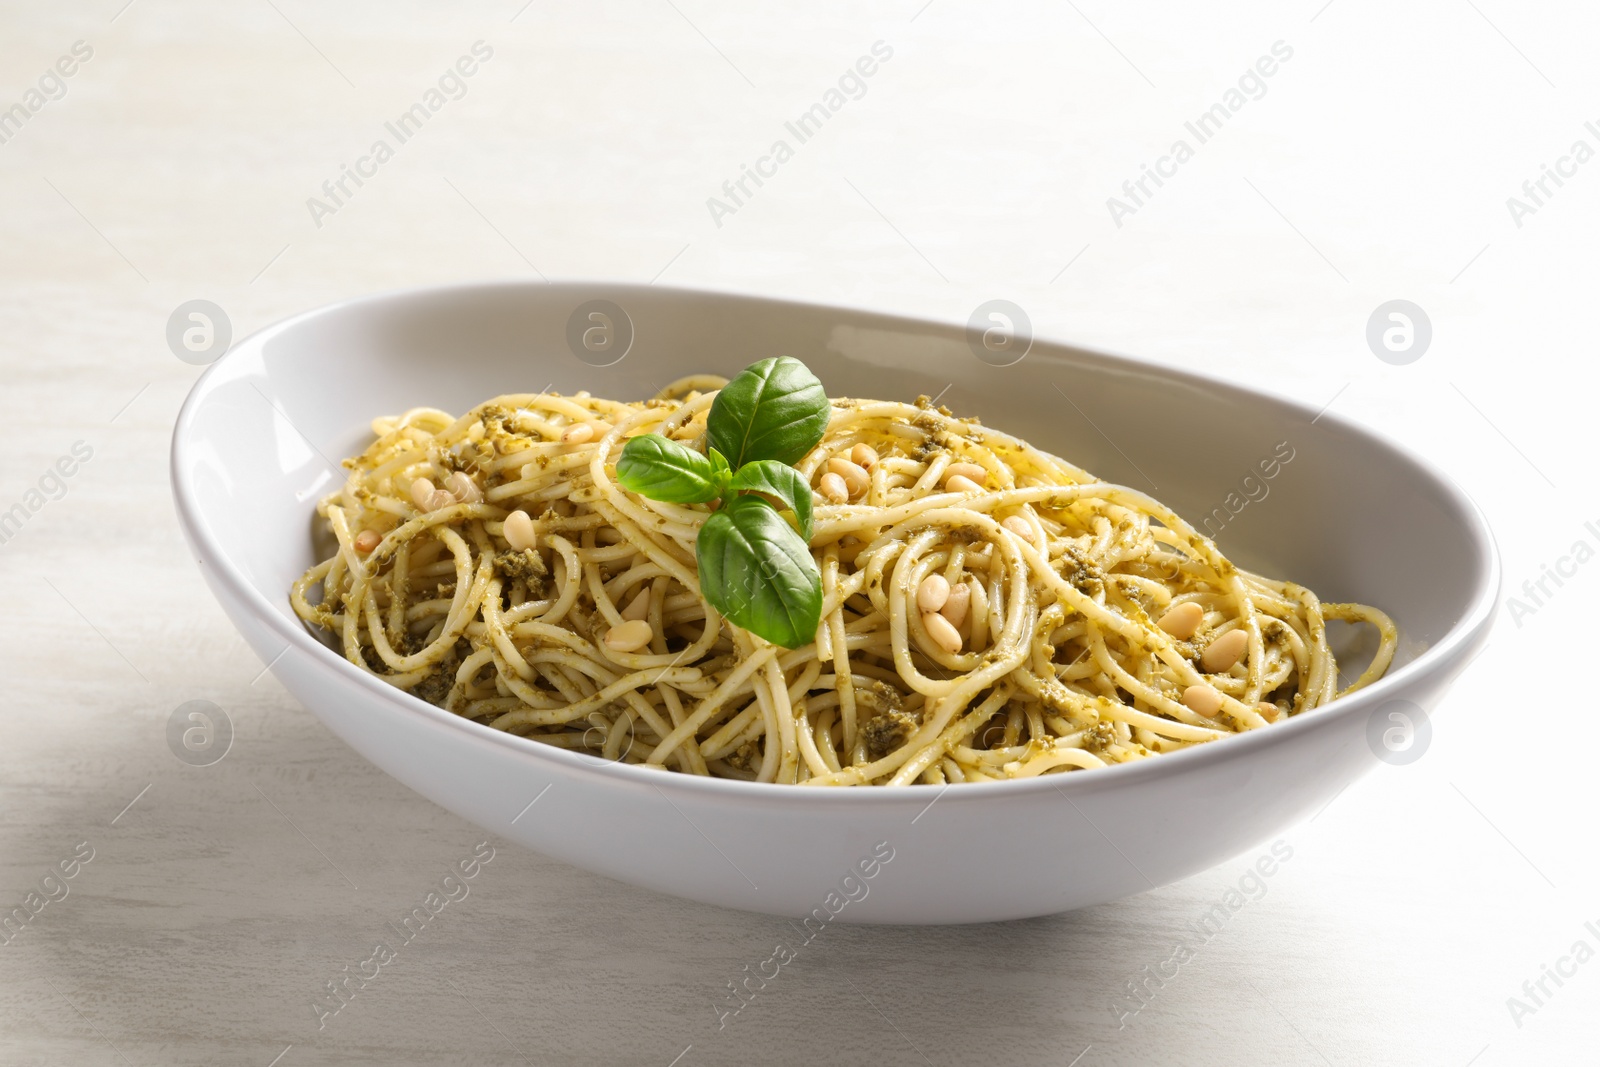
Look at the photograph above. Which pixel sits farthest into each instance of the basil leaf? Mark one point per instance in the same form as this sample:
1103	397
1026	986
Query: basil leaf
723	475
662	469
774	409
783	482
758	574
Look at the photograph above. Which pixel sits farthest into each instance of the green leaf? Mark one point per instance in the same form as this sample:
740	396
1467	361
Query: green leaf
662	469
774	409
724	475
783	482
756	571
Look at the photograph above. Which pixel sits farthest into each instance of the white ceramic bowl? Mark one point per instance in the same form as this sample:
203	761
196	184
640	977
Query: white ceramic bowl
1352	516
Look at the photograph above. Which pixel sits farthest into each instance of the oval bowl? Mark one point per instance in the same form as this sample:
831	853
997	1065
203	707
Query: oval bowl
1348	514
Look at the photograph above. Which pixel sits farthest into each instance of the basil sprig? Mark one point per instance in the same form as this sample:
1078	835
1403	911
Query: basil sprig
755	568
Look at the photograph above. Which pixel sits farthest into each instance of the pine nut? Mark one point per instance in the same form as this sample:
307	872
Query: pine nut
441	499
577	434
855	477
463	488
943	634
833	487
1268	710
955	609
933	593
1182	620
1019	526
630	636
639	606
520	532
1202	700
475	432
367	540
960	483
1224	652
864	455
422	493
971	471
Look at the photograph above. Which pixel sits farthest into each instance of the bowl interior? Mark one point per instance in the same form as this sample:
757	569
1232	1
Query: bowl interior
1283	492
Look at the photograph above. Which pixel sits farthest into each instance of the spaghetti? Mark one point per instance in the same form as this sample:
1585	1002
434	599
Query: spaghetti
990	611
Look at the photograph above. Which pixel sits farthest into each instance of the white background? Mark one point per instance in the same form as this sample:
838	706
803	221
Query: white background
977	165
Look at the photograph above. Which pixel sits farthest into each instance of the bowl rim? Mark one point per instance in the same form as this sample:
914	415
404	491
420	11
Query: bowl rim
1469	629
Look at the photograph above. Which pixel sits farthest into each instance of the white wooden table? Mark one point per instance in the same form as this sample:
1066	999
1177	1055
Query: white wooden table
176	163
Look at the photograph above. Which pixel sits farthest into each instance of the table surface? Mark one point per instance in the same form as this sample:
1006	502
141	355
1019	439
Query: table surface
1375	163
